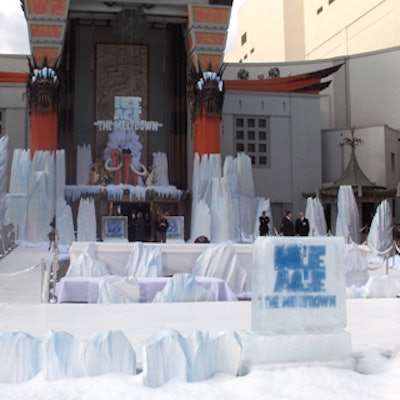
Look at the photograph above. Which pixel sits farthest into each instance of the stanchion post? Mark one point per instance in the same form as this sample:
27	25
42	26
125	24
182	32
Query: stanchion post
45	281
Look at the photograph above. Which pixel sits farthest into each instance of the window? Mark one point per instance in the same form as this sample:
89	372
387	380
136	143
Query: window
252	137
319	11
330	1
244	38
392	162
252	51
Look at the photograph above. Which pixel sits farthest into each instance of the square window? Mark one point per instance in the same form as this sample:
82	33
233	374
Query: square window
262	123
239	122
252	137
262	160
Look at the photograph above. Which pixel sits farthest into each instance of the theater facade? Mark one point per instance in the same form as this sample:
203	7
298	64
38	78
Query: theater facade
139	65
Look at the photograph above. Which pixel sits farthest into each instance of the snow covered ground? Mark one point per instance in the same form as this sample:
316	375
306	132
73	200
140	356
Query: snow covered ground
371	373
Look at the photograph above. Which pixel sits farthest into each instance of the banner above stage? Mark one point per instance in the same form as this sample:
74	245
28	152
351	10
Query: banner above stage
127	115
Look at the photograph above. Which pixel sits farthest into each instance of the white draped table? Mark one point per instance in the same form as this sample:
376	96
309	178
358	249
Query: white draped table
176	257
86	289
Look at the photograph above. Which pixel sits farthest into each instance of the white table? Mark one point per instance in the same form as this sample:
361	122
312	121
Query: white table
86	289
176	257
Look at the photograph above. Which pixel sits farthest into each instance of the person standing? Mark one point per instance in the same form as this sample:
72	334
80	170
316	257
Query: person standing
161	229
140	228
301	226
263	228
287	226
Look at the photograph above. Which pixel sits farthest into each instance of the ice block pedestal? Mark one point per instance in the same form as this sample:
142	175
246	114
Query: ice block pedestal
298	302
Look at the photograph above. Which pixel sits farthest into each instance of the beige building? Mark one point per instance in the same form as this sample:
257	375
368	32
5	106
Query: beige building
290	30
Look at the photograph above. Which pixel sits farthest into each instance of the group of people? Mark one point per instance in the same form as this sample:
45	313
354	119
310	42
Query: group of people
301	227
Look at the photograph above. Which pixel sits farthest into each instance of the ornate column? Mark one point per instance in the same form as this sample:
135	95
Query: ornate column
205	41
46	28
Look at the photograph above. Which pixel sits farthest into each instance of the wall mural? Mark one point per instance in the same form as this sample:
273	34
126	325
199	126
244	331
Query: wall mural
121	87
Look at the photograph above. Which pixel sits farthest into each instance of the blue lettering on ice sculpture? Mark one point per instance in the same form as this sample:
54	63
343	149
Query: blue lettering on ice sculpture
300	268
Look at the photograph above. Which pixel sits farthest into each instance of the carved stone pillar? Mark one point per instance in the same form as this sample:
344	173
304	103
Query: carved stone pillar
205	41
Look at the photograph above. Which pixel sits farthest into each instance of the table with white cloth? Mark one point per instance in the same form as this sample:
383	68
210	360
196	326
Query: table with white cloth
176	257
86	289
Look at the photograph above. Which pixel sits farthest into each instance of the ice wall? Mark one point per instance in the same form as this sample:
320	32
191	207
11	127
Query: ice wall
60	356
197	357
37	190
223	207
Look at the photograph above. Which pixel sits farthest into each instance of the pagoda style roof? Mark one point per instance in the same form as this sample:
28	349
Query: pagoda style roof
353	174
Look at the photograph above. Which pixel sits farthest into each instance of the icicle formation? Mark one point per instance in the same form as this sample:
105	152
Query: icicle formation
83	164
18	191
36	188
3	178
160	170
86	221
316	217
223	208
380	237
348	218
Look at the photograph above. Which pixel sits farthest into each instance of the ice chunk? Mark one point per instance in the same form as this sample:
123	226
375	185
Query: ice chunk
143	261
107	353
348	217
87	264
356	266
380	236
64	223
163	358
316	217
86	221
169	355
60	356
3	178
183	288
20	357
382	286
221	261
83	164
117	289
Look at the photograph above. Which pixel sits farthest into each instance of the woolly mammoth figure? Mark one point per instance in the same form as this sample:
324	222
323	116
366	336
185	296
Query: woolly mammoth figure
122	157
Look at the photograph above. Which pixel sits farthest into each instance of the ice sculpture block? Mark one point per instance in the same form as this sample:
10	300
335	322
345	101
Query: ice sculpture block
298	301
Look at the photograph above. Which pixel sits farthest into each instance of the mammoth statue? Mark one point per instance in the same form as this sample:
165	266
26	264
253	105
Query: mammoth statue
122	169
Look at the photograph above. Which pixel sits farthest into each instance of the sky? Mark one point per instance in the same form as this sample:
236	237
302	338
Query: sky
14	32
